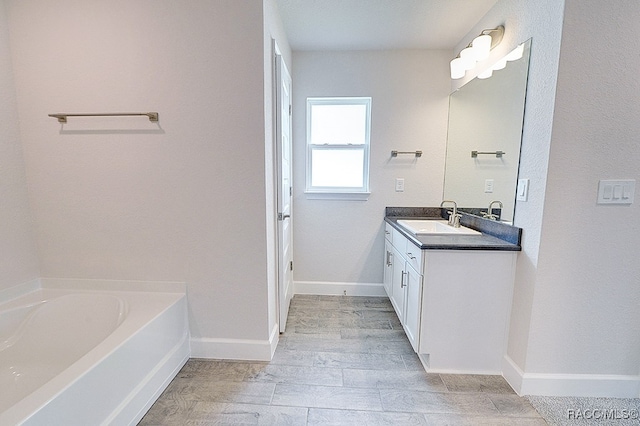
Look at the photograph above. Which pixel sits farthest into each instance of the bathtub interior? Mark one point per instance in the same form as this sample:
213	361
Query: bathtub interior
10	322
60	346
63	328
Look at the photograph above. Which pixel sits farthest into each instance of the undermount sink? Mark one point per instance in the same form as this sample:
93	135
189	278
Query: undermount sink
434	227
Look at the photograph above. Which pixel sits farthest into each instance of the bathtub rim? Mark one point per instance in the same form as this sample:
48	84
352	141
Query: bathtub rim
89	284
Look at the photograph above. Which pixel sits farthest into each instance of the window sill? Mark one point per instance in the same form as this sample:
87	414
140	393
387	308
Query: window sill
348	196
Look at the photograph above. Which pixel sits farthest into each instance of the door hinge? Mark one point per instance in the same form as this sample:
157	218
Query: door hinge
289	109
290	191
291	265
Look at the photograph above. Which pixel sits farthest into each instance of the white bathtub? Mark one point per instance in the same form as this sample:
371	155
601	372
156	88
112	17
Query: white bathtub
78	357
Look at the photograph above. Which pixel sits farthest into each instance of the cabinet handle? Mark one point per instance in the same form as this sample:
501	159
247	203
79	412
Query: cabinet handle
411	256
387	232
389	254
402	284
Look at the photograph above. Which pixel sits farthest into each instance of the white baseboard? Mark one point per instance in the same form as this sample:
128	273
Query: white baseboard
512	374
579	385
274	338
328	288
240	349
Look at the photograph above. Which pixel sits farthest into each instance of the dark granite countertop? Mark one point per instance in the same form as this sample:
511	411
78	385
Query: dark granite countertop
495	235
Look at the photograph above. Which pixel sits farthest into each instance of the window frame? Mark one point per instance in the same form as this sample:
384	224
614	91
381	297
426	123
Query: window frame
337	192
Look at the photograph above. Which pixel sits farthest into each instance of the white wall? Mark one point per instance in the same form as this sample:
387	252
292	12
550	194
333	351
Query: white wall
542	22
18	256
588	269
127	199
342	241
575	323
273	31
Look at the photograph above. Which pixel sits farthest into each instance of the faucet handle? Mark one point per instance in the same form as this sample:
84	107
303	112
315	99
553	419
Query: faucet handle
455	220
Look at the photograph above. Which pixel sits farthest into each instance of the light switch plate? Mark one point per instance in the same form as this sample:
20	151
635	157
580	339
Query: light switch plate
619	191
399	184
522	191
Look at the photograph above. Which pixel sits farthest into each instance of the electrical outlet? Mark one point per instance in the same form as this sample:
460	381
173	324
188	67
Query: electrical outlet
488	185
399	184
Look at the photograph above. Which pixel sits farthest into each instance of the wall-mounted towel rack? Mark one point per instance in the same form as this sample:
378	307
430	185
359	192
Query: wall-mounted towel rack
62	117
498	154
416	153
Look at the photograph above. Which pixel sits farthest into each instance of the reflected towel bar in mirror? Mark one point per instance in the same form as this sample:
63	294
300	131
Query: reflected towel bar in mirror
416	153
62	117
498	154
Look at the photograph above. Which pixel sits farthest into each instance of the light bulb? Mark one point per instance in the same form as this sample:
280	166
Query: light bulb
499	65
468	58
457	69
515	54
481	46
485	74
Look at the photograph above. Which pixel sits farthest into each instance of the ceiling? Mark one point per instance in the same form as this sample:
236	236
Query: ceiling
379	24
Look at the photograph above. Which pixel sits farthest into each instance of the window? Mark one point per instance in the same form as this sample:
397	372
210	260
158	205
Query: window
338	147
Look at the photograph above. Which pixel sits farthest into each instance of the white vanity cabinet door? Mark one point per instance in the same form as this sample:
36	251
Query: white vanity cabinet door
413	304
397	283
388	268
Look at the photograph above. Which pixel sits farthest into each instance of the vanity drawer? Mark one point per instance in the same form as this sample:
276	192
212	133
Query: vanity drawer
398	240
414	256
388	232
409	251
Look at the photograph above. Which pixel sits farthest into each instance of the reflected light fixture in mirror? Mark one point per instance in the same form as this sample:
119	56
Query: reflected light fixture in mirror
514	55
477	50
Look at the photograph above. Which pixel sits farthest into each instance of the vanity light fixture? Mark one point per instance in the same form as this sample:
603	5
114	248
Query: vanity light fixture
477	50
514	55
486	73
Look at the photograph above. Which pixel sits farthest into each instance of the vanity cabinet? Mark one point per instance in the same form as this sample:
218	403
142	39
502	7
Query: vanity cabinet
403	282
454	305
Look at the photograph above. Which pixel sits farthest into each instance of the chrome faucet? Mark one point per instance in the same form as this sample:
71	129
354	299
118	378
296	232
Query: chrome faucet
489	214
454	217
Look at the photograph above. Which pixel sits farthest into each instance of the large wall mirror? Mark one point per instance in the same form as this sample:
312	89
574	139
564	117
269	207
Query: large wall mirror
483	140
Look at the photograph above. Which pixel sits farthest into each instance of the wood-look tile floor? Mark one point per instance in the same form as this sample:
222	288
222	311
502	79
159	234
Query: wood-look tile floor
342	361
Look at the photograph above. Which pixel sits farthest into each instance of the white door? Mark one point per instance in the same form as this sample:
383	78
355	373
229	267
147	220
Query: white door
285	231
